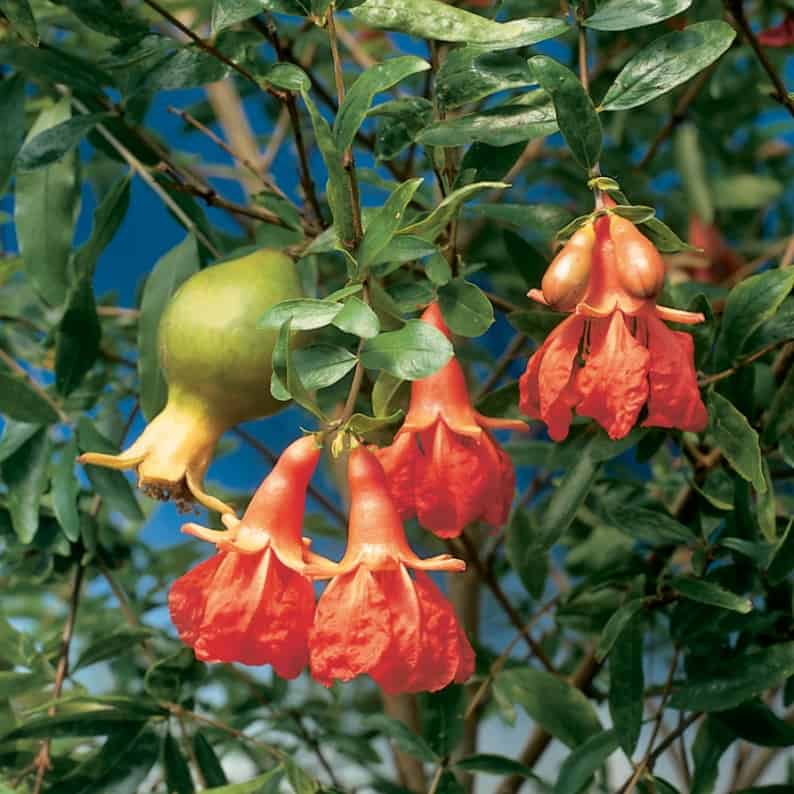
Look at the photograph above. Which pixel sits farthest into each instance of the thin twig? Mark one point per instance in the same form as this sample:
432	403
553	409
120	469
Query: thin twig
743	362
12	365
512	350
736	7
43	758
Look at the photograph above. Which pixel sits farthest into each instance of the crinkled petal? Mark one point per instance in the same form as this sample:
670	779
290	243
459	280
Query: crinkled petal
613	384
352	628
187	598
545	386
454	477
502	487
447	655
399	463
398	663
674	399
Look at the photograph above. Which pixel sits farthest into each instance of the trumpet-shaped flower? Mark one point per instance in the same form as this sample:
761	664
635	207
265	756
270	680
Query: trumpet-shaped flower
613	355
373	617
444	466
252	601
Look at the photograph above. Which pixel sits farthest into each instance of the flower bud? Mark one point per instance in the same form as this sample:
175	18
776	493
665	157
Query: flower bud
565	281
640	267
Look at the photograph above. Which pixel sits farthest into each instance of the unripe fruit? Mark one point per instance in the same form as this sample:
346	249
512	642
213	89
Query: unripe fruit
640	267
217	364
565	281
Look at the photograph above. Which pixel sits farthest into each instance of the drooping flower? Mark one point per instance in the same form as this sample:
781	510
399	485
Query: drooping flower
373	617
720	258
781	35
613	355
444	467
252	601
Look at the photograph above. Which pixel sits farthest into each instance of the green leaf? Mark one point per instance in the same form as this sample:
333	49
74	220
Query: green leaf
25	476
780	418
576	116
175	676
208	761
472	73
712	740
188	67
358	319
745	191
226	13
434	20
92	721
466	309
667	62
542	220
432	226
635	213
306	314
626	685
107	220
20	15
385	392
65	490
616	625
736	439
288	77
567	498
177	772
16	684
111	485
750	303
536	323
56	142
52	66
255	786
580	766
286	377
691	165
755	722
300	782
108	17
18	400
77	339
663	237
322	365
406	740
650	526
383	224
12	111
733	681
399	122
412	353
45	210
552	702
710	593
628	14
122	640
378	78
493	765
528	560
170	272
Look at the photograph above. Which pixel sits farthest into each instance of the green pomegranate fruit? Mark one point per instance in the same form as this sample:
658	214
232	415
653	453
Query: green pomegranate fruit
217	364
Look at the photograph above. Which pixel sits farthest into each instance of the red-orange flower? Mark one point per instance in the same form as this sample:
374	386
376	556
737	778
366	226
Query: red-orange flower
373	618
444	467
721	260
614	355
781	35
252	602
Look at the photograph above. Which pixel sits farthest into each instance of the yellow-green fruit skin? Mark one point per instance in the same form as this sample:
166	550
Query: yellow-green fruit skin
211	349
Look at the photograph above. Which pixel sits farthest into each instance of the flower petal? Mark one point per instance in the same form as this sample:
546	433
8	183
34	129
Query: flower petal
187	598
352	628
613	383
399	462
674	399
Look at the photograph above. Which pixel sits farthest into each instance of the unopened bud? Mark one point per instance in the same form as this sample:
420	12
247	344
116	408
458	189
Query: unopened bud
639	264
565	281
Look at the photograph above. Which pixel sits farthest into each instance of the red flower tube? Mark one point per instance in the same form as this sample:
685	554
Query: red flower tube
614	355
252	602
373	618
444	467
781	35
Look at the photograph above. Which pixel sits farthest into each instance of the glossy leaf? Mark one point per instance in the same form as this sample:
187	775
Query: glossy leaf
208	761
650	526
177	771
576	116
77	339
580	766
254	786
616	625
18	400
709	593
667	62
409	742
226	13
358	319
494	765
626	685
20	15
415	351
628	14
712	740
306	314
53	143
170	272
12	111
25	475
552	702
435	20
65	490
466	309
322	365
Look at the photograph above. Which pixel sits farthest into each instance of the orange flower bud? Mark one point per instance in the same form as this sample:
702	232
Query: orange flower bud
640	267
565	281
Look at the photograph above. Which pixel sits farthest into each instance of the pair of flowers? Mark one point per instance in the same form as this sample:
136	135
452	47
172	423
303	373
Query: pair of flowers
253	602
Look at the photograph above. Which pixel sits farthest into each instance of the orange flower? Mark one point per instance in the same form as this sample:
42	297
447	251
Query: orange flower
373	618
721	260
252	602
614	355
444	467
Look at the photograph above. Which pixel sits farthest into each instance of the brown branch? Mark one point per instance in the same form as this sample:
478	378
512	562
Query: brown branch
514	347
42	762
743	362
492	583
736	7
